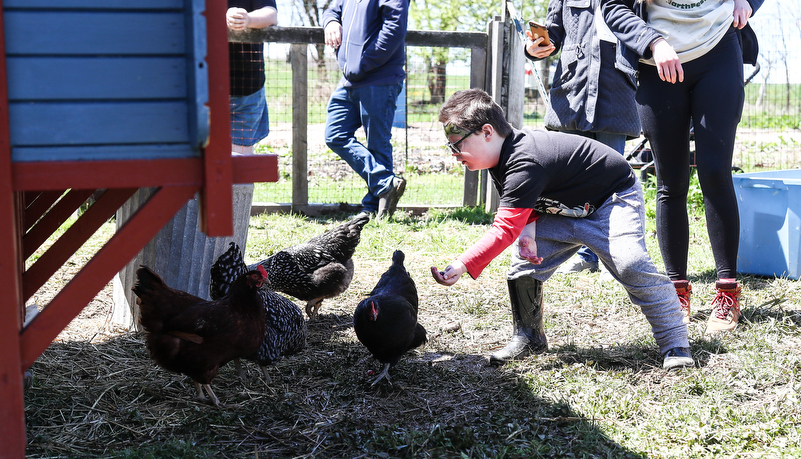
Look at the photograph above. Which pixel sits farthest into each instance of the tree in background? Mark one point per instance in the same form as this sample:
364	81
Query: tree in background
446	15
310	13
456	15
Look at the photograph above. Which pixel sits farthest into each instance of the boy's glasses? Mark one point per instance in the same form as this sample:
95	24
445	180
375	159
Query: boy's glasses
455	145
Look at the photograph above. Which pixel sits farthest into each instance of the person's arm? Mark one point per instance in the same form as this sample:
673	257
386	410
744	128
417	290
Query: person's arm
629	28
333	34
241	19
755	4
636	34
509	223
332	25
667	62
556	34
742	12
333	13
394	17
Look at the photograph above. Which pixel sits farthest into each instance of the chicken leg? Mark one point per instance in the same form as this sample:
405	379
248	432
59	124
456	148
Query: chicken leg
312	306
384	374
199	388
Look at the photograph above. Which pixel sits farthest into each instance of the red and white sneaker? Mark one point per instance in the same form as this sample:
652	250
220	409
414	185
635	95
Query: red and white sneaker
725	308
684	290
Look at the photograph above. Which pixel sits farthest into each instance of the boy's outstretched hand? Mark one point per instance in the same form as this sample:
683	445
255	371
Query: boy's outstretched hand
528	249
449	275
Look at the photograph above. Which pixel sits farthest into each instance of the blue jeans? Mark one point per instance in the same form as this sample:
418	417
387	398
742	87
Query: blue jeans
616	141
371	107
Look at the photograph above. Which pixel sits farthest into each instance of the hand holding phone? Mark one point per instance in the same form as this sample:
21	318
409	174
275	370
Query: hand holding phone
539	30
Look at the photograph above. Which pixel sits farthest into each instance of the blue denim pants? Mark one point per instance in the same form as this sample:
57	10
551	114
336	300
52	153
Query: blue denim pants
371	107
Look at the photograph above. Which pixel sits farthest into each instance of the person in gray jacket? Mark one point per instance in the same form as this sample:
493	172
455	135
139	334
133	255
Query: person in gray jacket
592	95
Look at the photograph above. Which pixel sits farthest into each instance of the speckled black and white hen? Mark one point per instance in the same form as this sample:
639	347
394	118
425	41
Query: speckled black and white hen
386	321
285	328
318	269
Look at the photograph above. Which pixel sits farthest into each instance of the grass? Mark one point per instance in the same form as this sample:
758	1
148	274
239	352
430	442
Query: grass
424	189
597	392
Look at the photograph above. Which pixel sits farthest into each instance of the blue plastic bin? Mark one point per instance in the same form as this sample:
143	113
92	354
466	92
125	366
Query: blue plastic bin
770	223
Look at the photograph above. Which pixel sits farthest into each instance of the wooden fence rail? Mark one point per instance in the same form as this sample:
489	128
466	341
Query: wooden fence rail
493	67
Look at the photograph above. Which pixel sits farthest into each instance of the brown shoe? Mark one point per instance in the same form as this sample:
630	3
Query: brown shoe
684	290
388	202
725	308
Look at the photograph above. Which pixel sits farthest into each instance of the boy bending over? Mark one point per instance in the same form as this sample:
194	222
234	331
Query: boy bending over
558	192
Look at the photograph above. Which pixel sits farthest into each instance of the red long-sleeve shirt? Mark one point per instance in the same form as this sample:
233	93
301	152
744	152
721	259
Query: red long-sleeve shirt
506	228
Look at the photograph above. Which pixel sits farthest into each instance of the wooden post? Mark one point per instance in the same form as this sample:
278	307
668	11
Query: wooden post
216	215
478	79
497	39
514	63
300	117
12	409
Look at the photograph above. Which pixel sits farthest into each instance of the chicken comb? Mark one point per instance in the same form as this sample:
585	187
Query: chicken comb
262	271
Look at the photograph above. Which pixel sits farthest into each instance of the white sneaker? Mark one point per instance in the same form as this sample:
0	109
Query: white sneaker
577	265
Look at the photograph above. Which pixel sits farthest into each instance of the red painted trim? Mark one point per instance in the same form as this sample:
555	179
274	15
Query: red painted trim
121	248
12	407
51	221
255	168
216	212
107	174
36	204
72	240
28	176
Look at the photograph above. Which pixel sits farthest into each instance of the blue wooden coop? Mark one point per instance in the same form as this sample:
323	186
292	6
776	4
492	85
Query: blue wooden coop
102	98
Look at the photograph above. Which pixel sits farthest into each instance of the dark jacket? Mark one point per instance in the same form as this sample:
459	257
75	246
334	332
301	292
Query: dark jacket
373	40
588	92
628	20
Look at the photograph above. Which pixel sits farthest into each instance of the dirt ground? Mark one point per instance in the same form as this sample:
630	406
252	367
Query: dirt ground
96	392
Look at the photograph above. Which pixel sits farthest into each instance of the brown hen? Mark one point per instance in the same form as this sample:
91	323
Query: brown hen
194	337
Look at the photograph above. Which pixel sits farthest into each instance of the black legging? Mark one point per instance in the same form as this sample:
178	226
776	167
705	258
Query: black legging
711	98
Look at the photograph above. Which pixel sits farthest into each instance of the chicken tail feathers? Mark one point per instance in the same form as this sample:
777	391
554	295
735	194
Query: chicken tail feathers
228	267
359	221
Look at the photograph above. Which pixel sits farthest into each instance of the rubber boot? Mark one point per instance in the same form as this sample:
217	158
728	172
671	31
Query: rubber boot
528	336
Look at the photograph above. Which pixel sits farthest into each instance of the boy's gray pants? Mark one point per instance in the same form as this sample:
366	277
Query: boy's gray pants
616	233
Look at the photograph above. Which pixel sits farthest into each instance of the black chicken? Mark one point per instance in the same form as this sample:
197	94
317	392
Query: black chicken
386	321
194	337
318	269
285	327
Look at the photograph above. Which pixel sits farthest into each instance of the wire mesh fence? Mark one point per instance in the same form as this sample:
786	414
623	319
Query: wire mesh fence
769	135
433	178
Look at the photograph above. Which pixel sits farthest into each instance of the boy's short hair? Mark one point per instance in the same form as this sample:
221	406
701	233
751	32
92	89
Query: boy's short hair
470	109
